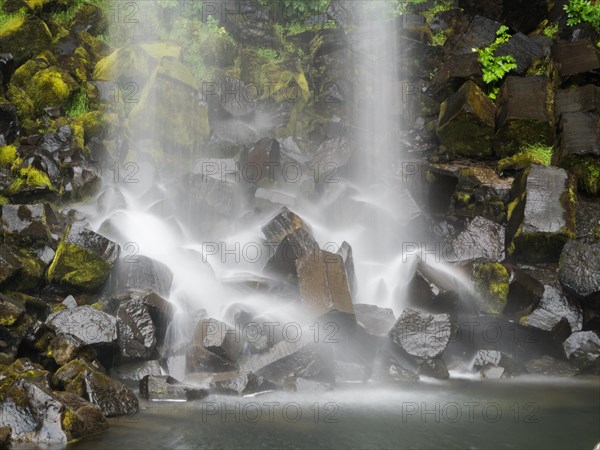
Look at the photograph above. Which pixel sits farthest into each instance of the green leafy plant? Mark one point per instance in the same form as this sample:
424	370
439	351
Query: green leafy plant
495	67
583	11
551	30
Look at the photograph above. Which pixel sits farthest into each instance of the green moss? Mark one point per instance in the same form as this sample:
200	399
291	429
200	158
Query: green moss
529	154
462	197
11	23
8	155
78	104
77	267
586	170
491	282
48	88
510	208
30	177
596	232
68	420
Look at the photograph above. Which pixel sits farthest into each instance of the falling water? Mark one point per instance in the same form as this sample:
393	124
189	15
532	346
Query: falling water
368	209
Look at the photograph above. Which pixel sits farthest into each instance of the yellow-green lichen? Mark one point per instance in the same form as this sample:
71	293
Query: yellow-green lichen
30	177
8	155
491	282
77	267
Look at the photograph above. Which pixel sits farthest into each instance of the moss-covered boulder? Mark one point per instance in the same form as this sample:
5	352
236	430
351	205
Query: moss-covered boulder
491	282
84	379
525	114
36	414
541	215
25	224
29	269
466	122
24	37
83	260
90	18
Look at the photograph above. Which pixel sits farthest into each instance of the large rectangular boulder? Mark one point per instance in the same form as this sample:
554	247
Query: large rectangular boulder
466	122
323	283
524	114
541	216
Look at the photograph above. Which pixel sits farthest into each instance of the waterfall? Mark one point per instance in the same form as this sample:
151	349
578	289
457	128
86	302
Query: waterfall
149	204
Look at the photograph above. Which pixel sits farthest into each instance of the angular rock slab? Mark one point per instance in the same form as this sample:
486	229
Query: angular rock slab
294	246
422	335
25	224
85	323
583	350
579	270
524	114
219	338
165	388
83	259
323	283
546	365
523	49
466	123
575	58
481	239
262	161
137	333
556	302
377	321
541	218
579	135
141	272
577	99
284	223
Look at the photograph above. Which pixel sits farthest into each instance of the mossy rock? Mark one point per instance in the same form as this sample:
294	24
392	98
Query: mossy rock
32	272
491	281
218	51
78	268
13	6
24	36
95	124
89	18
586	170
8	155
68	373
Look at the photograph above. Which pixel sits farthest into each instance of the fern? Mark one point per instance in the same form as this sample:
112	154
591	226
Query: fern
495	67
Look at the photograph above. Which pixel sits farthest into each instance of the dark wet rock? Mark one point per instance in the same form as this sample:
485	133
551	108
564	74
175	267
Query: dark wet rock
199	359
481	33
524	114
166	388
10	311
377	321
547	365
161	311
467	121
137	335
323	283
577	99
9	264
239	383
523	49
32	412
284	223
575	58
263	159
219	338
481	239
345	251
131	373
422	335
25	224
541	218
524	293
86	380
456	69
293	246
548	321
578	270
583	350
9	123
80	181
88	324
579	135
113	397
80	418
24	270
556	302
83	259
434	368
66	347
433	290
